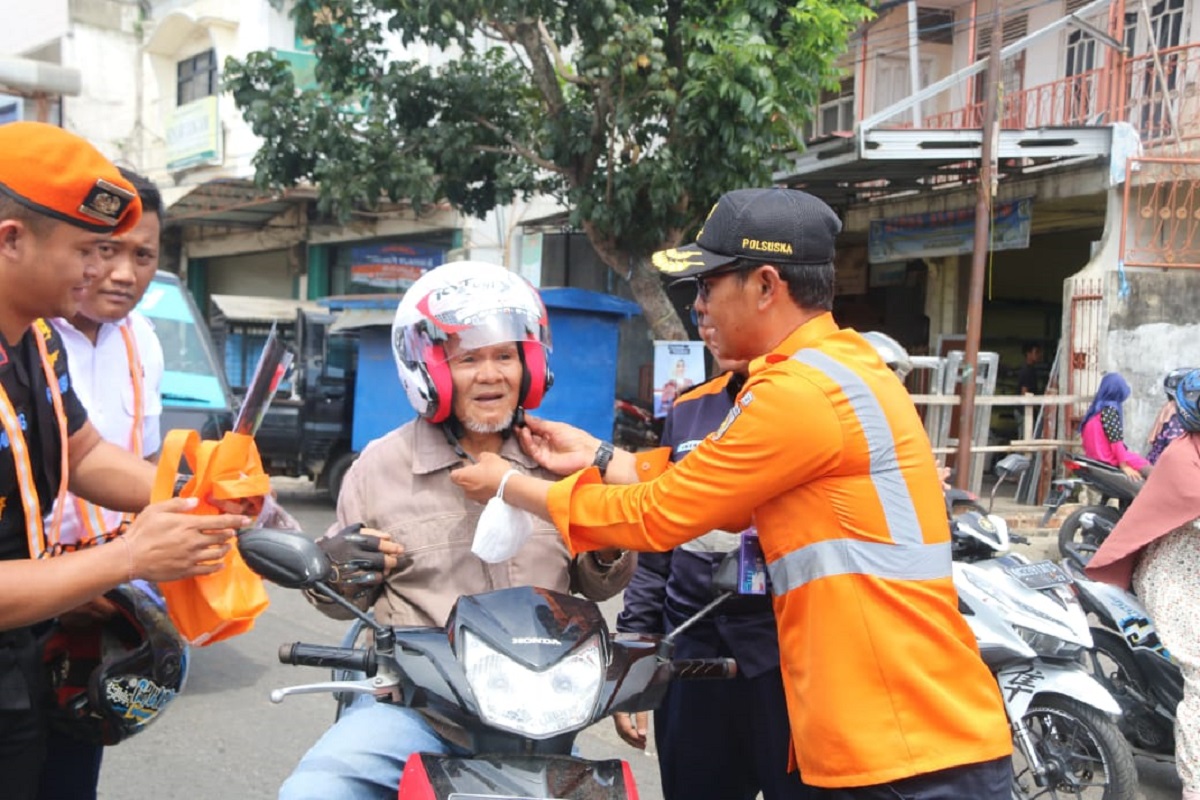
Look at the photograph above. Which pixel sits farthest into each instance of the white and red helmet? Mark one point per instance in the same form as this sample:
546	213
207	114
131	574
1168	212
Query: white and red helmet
483	305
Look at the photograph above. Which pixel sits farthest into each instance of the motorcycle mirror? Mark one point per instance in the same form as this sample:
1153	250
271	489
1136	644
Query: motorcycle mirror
284	557
724	585
1012	464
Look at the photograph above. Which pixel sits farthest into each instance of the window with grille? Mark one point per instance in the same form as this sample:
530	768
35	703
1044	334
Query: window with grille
935	25
197	77
834	113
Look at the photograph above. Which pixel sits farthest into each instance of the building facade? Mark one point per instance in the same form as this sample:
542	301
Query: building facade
1095	217
151	99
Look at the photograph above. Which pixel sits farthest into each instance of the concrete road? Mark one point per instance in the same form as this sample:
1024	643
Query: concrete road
224	740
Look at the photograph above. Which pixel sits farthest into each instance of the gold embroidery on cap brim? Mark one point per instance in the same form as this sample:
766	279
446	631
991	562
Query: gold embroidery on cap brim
675	260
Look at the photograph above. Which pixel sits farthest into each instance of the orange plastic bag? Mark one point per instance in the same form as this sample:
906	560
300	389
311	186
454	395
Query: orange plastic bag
209	608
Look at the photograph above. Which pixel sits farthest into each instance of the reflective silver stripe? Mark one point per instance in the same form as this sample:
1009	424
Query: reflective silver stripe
898	508
716	541
902	562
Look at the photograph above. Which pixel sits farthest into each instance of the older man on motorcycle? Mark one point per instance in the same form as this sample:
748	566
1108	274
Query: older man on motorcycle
470	342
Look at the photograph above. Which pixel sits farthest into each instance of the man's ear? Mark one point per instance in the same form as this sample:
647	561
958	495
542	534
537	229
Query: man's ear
769	283
13	236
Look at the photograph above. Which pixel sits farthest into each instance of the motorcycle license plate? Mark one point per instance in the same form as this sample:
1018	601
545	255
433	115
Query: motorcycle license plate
1039	575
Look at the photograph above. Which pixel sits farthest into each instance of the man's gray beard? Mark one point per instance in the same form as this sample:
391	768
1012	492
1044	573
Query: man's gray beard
488	427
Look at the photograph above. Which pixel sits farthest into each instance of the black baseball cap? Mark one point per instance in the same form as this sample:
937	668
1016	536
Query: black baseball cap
774	226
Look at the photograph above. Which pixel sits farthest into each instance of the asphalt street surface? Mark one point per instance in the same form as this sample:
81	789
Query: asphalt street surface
223	739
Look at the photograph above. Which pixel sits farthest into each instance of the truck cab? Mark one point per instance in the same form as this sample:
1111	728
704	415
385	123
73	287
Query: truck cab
306	431
195	394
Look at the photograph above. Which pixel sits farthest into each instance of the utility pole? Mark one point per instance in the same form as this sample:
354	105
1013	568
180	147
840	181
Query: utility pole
983	221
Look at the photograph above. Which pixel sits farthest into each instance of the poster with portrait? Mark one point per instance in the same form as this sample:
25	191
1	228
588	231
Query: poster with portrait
678	366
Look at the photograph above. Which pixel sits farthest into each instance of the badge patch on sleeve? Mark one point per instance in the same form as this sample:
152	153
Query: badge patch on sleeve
733	414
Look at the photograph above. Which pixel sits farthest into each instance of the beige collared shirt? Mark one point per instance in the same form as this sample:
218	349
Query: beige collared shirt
400	485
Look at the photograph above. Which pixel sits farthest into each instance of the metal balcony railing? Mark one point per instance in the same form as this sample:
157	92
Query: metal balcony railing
1163	107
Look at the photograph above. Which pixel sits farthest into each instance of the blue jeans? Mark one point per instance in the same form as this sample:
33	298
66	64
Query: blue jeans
362	756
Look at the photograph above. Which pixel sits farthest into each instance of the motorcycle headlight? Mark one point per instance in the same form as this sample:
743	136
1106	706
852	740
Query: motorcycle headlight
1048	646
537	704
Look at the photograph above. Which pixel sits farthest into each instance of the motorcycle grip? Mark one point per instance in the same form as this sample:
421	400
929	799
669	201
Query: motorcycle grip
317	655
698	669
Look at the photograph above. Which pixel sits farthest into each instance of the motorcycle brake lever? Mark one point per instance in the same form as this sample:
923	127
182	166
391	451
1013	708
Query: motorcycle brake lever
379	685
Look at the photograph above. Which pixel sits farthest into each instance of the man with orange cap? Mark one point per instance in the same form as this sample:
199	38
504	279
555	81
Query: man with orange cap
59	198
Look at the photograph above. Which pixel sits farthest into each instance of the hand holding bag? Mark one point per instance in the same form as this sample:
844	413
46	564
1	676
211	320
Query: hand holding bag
209	608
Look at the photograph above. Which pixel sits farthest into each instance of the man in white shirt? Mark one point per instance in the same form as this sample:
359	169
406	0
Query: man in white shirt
116	366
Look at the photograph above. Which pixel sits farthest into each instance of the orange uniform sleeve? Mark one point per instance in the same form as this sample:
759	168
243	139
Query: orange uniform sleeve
652	463
783	432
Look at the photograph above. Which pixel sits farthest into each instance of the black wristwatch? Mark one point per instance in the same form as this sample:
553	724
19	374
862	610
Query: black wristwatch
604	454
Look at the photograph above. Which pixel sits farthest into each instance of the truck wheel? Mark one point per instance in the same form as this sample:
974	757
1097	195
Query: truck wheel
336	473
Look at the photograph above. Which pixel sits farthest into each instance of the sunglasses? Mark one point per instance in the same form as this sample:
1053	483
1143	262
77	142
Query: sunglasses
704	283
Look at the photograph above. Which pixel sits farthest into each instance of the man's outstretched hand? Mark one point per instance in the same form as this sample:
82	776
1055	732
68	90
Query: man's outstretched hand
558	447
481	480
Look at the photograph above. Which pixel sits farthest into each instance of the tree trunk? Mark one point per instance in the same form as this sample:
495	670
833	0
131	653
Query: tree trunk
646	284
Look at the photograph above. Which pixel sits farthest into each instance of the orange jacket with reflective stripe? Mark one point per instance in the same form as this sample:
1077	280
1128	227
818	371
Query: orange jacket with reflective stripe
825	453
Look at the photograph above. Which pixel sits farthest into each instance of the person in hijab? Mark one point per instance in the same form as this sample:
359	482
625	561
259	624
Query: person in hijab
1155	549
1103	429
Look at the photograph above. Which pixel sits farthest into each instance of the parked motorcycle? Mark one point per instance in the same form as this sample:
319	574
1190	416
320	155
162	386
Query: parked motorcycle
1082	533
1033	633
1130	660
634	427
521	671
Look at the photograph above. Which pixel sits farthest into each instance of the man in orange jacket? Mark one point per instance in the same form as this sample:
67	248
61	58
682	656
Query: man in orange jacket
825	454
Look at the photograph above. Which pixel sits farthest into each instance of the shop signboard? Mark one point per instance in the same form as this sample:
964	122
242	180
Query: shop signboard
194	135
392	266
947	233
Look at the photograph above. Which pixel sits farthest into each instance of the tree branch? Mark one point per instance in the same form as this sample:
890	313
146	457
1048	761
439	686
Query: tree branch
544	75
560	66
516	149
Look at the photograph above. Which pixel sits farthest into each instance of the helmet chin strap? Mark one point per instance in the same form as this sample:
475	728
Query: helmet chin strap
453	430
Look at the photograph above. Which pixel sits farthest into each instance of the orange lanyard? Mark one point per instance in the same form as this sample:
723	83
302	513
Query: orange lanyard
91	515
35	534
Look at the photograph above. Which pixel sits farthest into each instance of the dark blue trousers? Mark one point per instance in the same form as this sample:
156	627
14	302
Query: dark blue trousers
71	770
988	780
726	740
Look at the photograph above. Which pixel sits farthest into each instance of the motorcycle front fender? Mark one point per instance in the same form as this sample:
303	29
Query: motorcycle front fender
1021	683
437	777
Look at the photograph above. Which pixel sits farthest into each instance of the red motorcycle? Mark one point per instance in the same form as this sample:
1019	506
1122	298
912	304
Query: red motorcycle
634	427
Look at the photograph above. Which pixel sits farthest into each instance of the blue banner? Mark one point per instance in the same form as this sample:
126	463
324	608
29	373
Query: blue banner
947	233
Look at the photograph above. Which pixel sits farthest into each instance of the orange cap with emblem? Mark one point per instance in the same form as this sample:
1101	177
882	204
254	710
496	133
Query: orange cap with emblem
62	176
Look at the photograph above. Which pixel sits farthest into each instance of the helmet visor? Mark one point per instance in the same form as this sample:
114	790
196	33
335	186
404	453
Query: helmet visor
476	312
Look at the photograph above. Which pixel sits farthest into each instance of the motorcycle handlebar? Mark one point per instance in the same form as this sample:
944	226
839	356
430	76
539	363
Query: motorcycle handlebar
696	669
316	655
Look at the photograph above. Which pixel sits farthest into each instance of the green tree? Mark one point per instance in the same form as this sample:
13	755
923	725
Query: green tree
636	114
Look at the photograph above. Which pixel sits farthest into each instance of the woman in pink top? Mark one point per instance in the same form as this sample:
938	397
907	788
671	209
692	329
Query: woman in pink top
1103	429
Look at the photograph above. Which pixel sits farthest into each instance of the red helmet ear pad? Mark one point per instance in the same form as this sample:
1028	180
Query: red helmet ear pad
537	374
438	369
